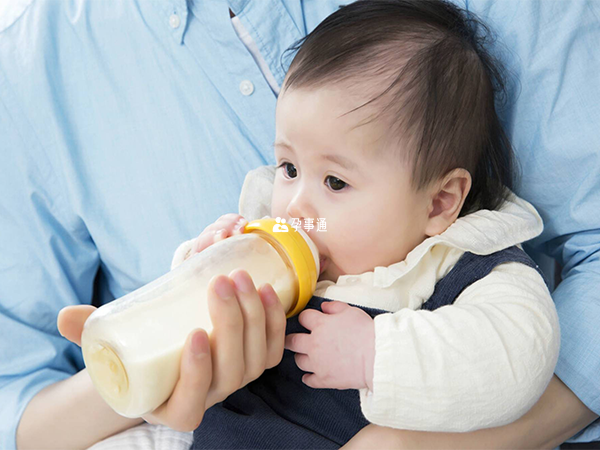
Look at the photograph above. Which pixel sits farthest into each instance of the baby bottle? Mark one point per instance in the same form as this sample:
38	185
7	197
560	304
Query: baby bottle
132	346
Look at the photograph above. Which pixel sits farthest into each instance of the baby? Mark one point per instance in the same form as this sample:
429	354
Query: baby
428	315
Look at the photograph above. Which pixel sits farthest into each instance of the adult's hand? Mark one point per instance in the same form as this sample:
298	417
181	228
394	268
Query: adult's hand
247	338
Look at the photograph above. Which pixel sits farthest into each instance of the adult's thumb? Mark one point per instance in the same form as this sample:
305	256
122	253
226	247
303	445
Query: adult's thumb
70	321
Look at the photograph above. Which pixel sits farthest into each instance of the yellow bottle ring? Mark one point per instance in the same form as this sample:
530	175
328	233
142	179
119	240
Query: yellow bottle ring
298	252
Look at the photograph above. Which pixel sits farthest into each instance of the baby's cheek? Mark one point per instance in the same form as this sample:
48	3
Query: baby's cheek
351	241
279	202
277	210
354	260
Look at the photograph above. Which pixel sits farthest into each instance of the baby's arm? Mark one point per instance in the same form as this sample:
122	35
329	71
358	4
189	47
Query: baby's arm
225	226
479	363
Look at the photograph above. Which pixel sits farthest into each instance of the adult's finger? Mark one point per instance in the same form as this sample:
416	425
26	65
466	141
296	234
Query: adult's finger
274	323
226	343
185	408
70	321
255	339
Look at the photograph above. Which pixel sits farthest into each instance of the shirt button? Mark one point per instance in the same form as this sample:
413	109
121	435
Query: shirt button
246	87
174	21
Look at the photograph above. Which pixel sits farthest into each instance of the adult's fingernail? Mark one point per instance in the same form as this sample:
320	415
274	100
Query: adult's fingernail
269	294
223	288
199	343
243	282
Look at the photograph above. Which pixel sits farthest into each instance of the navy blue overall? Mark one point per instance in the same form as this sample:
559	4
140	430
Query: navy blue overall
278	411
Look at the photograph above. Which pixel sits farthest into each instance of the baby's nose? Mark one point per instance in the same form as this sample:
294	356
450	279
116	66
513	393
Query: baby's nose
301	208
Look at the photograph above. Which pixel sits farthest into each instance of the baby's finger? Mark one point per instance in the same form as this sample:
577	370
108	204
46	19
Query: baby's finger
334	307
205	240
313	381
303	362
275	324
221	234
253	312
185	408
238	226
230	229
234	223
227	225
229	218
310	318
298	342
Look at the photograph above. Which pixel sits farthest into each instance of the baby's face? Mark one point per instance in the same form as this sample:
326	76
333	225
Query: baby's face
328	169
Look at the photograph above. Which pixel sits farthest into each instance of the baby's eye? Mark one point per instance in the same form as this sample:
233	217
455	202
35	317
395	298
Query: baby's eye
335	184
289	170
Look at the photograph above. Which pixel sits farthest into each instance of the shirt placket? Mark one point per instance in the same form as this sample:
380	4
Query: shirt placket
233	71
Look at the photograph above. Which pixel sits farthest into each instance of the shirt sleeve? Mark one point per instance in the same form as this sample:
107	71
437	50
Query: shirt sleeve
47	261
552	51
577	300
482	362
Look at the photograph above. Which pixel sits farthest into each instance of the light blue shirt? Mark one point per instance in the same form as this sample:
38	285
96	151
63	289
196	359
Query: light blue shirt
126	127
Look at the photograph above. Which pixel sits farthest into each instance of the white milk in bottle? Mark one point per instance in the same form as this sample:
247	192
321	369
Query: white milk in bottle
132	346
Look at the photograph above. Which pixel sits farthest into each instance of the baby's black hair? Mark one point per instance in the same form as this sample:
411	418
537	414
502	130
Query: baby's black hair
442	86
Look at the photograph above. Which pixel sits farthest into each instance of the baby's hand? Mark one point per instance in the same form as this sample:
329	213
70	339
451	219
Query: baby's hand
340	349
225	226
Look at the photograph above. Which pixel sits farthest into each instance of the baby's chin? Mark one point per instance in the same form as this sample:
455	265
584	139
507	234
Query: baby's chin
326	277
329	271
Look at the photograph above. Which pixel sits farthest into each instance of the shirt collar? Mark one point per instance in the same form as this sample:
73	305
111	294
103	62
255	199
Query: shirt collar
237	6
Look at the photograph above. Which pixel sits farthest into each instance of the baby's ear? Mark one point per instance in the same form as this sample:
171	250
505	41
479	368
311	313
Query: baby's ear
446	200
